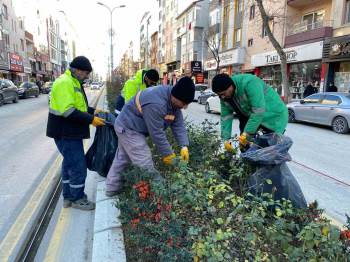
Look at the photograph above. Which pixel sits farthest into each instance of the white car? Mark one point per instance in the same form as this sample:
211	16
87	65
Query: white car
95	85
213	104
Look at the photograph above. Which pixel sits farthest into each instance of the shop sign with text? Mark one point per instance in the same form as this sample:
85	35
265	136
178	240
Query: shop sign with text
16	62
300	53
339	49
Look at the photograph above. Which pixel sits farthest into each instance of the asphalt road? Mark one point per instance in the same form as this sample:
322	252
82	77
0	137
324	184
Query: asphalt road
25	156
320	161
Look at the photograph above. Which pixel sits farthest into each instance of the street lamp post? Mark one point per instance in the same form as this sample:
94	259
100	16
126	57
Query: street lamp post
111	33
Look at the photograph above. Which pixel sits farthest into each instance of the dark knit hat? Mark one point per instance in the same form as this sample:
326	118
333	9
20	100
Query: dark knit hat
81	63
152	75
184	90
221	82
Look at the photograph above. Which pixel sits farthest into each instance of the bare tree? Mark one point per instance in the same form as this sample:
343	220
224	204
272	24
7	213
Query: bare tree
266	19
213	44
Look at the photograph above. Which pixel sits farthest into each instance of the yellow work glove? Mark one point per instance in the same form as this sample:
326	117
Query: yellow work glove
243	141
98	121
168	160
185	155
228	146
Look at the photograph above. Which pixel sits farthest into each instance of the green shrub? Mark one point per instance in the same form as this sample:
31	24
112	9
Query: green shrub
203	211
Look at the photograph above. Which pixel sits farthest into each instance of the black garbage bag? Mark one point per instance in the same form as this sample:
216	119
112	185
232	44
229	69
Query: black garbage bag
269	155
101	153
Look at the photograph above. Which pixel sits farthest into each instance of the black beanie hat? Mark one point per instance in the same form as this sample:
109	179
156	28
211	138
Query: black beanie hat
81	63
221	82
152	75
184	90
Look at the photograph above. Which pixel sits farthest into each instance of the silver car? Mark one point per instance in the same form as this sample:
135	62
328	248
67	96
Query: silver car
330	109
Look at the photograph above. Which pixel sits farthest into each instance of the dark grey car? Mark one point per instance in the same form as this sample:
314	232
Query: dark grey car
27	89
203	97
8	92
330	109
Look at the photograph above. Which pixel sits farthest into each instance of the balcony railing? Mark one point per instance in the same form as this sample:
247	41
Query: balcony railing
305	26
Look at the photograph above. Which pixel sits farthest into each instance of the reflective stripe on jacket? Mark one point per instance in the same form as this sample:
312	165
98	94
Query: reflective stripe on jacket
69	113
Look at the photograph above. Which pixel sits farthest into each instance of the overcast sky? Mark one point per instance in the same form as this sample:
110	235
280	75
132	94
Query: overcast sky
92	21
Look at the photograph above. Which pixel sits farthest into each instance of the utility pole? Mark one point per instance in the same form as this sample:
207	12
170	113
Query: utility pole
111	34
146	53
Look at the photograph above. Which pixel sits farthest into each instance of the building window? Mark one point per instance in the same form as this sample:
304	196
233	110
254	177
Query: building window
225	14
7	40
347	12
21	24
250	42
22	45
4	10
252	12
237	37
264	32
195	56
313	20
224	41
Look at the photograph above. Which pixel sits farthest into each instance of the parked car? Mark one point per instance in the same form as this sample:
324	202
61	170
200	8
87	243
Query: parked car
199	88
27	89
213	104
329	109
95	85
203	97
8	92
46	88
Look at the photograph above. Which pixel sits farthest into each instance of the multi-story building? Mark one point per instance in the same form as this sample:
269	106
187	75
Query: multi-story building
5	40
154	51
167	56
192	25
30	52
213	40
15	44
301	28
127	65
232	48
63	54
54	42
144	40
336	50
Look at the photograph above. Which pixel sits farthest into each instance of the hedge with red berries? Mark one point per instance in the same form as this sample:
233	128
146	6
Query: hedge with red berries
203	211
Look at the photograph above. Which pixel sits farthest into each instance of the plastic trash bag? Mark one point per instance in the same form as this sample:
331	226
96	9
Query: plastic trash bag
269	154
101	153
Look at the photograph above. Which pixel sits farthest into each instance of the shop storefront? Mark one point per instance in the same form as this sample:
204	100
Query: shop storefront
171	75
16	68
194	69
304	67
4	65
230	63
336	56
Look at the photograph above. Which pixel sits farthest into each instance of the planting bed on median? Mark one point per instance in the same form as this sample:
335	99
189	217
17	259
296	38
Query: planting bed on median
203	211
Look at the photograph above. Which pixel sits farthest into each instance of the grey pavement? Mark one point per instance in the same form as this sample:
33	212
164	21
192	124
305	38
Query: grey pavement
25	157
321	150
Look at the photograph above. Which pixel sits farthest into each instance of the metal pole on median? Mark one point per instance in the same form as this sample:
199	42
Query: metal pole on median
111	32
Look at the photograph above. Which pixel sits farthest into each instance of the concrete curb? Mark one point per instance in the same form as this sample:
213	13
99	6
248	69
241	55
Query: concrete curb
108	243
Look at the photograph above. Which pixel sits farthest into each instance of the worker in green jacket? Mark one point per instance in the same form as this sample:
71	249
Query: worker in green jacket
144	78
257	106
